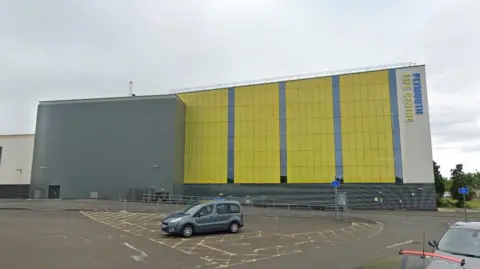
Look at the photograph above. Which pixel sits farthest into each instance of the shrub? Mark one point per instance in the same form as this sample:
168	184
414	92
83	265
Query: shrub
446	202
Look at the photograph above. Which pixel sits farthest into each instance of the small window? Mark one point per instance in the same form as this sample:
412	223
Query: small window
222	209
206	210
234	208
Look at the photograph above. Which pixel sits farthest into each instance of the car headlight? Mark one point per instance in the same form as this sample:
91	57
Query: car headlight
175	220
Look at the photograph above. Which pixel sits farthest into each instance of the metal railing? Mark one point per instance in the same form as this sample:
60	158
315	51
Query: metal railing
251	206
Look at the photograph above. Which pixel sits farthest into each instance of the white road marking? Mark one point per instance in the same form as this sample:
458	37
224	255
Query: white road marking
216	249
400	244
180	242
347	232
326	239
259	249
259	235
407	222
369	225
223	238
360	226
258	259
136	234
336	234
138	258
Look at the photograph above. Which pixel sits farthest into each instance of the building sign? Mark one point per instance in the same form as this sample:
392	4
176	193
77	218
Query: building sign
417	94
412	96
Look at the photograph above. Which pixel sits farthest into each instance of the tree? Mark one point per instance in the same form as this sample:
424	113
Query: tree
459	179
475	180
448	184
439	181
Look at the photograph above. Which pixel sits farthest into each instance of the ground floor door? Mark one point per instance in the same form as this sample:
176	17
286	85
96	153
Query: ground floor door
53	192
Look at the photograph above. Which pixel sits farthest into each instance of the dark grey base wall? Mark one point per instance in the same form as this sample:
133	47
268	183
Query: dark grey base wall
360	196
14	191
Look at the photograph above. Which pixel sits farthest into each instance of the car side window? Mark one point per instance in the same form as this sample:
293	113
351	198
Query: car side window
234	208
205	211
222	209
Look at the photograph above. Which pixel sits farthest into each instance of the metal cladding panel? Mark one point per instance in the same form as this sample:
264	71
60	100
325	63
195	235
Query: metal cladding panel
414	121
108	146
206	136
366	121
310	132
360	196
257	134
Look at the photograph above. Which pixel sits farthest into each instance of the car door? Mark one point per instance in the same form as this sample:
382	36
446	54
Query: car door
203	219
222	217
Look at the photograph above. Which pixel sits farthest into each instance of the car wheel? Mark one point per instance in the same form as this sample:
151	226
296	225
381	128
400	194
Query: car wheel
234	227
187	230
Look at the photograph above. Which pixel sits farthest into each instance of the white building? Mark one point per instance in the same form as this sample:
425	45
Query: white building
16	153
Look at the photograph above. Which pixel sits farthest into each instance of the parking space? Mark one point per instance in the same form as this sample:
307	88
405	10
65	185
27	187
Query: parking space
57	239
262	238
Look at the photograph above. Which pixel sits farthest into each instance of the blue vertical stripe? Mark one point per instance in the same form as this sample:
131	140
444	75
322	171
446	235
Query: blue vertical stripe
231	136
337	126
397	149
282	110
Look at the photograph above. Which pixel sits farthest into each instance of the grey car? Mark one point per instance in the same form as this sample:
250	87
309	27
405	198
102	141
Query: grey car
461	240
214	216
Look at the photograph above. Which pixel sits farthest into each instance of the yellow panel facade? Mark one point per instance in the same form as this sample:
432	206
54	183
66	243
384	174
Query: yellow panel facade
206	136
257	138
366	128
310	131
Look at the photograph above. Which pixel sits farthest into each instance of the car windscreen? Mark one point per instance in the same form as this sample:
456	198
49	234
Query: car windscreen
464	242
192	209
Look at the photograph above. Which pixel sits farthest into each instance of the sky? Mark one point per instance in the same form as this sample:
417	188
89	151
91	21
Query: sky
60	49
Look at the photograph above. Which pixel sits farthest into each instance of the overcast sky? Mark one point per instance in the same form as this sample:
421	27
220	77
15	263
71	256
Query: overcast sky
61	49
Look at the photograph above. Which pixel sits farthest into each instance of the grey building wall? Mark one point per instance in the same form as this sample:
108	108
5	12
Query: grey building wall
109	146
419	196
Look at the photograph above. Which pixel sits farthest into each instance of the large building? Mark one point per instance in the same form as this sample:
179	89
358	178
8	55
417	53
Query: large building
282	140
15	165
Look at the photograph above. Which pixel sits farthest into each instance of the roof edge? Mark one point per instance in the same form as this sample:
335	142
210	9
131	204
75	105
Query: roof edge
297	77
108	99
16	135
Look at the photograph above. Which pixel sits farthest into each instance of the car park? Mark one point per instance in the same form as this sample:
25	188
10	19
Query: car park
206	217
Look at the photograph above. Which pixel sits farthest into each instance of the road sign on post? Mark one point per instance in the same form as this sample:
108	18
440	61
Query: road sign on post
335	185
464	192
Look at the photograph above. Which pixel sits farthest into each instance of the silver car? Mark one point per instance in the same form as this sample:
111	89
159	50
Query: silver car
461	240
214	216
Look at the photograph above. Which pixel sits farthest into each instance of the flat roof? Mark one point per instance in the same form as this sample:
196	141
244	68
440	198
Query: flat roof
109	99
298	77
15	135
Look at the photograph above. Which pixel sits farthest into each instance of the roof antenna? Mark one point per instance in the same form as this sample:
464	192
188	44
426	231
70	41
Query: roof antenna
130	88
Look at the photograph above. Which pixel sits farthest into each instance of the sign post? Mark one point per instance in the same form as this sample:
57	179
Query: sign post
335	185
464	192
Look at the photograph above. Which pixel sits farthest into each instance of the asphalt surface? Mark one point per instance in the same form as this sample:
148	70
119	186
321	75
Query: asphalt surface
95	239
